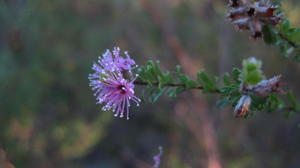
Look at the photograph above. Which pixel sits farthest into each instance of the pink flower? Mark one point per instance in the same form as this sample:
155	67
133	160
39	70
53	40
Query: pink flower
114	62
109	84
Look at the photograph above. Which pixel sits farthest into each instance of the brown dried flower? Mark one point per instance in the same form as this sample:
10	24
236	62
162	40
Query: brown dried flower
266	87
246	15
242	107
262	89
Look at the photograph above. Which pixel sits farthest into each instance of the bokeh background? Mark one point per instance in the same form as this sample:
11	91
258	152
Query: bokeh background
48	115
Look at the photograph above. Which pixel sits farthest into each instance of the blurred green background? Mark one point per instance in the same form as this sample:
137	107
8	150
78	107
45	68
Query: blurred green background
48	115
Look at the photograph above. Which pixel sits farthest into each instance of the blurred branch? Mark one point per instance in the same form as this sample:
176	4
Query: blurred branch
225	41
208	138
4	162
128	155
170	38
291	43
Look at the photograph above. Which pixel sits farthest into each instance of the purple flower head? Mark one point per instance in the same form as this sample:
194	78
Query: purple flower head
113	61
125	63
109	84
157	157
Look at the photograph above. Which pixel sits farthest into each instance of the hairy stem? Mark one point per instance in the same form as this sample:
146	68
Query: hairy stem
167	84
172	85
291	43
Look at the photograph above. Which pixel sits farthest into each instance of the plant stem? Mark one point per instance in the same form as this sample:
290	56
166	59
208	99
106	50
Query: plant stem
172	85
282	36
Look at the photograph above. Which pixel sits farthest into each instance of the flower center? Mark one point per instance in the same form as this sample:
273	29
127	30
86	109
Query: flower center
122	88
251	12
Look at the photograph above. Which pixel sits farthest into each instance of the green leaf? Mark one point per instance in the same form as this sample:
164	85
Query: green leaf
179	90
291	34
223	102
157	94
184	79
297	57
230	89
234	99
294	35
156	69
209	83
164	79
269	35
285	25
252	73
236	75
226	79
258	103
273	103
292	99
151	74
172	92
285	48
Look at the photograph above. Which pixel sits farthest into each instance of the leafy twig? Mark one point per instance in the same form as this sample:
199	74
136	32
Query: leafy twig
172	85
282	36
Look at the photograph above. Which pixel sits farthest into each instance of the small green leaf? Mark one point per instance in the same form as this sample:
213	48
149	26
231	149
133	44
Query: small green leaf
297	57
252	73
269	35
184	79
285	48
258	103
156	69
179	90
172	92
273	103
236	75
226	79
230	89
295	35
285	25
223	103
209	83
158	94
292	99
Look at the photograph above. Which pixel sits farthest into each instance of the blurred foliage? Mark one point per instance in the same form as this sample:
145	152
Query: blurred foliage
44	95
286	37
